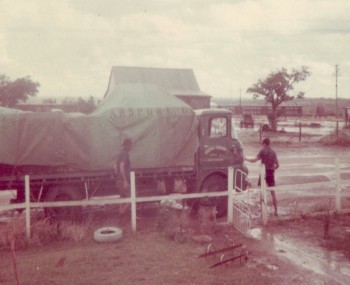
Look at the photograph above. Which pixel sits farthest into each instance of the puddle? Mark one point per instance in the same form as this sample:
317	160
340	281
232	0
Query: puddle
333	265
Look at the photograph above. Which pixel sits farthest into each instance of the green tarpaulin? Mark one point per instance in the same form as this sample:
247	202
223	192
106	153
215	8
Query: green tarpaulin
162	127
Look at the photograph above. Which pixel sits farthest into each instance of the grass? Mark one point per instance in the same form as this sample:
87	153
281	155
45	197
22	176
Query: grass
135	260
43	232
146	257
342	139
68	254
322	206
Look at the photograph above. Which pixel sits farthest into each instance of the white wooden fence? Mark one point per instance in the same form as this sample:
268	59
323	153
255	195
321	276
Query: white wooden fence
27	205
335	184
230	194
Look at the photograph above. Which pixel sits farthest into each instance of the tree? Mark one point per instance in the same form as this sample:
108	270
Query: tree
320	112
11	92
81	105
49	101
86	106
277	88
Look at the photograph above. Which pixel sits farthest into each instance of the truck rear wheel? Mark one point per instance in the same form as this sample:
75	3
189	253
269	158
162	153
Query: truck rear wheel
63	193
217	183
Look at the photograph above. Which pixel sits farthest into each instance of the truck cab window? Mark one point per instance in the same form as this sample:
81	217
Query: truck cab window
218	127
233	130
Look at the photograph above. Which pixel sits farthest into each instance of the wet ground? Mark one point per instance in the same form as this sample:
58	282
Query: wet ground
328	267
301	163
310	126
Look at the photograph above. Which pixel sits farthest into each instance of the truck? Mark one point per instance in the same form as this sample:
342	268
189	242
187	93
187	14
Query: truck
70	156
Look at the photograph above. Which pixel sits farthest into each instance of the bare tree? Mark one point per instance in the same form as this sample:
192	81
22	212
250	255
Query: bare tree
277	88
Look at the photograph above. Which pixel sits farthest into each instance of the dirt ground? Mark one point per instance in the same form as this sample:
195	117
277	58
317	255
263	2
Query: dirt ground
284	252
302	250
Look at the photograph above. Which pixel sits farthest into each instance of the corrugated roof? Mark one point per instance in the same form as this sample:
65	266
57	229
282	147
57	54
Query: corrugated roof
174	81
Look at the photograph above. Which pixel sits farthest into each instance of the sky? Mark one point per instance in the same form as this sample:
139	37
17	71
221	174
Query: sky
70	46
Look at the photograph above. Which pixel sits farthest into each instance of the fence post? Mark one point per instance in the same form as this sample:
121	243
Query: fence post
337	127
27	195
337	186
133	201
264	209
260	132
230	195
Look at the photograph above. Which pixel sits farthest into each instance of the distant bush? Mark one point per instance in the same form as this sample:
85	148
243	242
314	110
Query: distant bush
342	139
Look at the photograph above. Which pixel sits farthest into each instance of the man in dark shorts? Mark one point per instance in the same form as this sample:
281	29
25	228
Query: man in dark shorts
268	157
122	169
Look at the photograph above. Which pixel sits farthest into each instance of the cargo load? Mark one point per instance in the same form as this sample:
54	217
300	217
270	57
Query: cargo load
162	127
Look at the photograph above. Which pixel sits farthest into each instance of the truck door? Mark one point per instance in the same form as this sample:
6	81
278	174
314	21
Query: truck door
215	142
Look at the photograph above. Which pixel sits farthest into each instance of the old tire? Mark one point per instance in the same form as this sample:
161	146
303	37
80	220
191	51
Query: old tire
63	193
108	234
217	183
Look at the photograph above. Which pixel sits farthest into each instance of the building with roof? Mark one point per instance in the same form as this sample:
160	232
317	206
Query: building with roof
181	83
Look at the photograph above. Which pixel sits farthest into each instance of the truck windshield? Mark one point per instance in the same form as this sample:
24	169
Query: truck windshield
233	130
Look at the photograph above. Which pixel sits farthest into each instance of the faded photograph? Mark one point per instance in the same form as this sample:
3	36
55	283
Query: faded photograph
174	142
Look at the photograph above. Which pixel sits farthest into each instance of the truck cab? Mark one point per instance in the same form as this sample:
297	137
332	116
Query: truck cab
219	148
219	144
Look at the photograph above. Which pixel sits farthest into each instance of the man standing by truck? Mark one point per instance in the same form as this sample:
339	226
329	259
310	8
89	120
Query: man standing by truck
268	157
122	169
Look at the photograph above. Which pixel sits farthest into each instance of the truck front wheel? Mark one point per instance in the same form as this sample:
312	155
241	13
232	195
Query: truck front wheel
63	193
216	183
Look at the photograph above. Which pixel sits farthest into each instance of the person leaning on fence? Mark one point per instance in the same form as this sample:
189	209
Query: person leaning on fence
269	159
122	168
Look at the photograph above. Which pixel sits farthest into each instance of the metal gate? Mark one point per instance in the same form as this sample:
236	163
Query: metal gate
241	217
241	212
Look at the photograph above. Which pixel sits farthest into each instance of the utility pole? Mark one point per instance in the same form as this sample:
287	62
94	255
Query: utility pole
240	101
336	97
336	90
231	94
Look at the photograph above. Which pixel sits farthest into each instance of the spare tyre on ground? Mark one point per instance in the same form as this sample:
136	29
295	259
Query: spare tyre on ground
108	234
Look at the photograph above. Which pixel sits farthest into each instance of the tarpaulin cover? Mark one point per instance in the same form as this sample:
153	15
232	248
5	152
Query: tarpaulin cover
162	127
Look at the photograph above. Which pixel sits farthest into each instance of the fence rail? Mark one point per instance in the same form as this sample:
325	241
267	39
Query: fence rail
231	194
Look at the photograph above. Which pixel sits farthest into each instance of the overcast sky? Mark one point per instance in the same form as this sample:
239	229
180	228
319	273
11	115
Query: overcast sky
69	46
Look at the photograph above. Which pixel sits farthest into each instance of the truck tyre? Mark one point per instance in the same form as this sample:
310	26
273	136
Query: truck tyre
217	183
63	193
108	234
